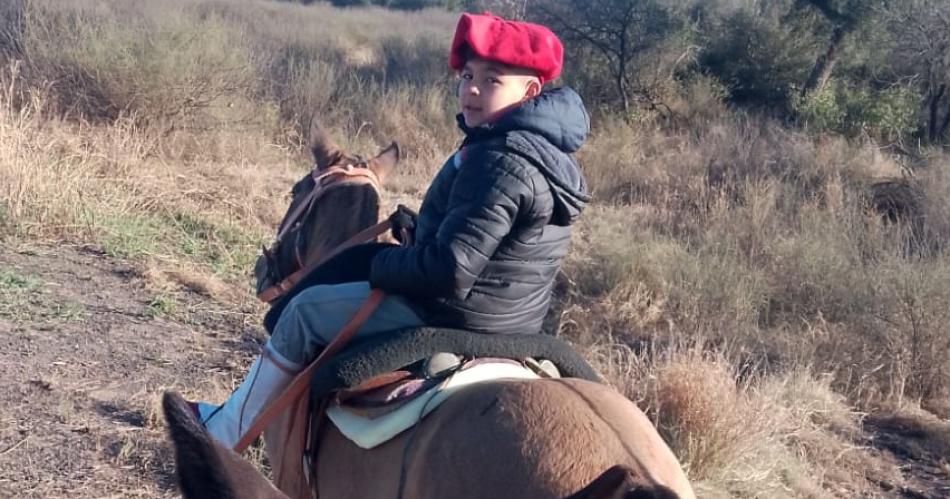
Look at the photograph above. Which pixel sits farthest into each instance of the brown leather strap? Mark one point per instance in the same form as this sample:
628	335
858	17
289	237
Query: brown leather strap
371	384
323	180
301	383
276	291
298	211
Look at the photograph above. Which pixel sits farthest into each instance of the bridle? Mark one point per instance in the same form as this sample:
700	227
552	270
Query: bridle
326	180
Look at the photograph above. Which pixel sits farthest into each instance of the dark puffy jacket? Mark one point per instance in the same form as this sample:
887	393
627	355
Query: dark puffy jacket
495	223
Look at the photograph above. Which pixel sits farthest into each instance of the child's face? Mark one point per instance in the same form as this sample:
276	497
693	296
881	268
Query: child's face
488	88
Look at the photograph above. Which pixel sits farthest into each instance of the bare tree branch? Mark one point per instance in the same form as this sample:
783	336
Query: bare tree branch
621	31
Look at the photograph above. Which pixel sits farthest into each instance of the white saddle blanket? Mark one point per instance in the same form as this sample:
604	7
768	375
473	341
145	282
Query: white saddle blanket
368	433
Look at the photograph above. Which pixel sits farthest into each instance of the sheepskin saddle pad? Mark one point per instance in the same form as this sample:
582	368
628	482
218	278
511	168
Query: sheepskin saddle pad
381	386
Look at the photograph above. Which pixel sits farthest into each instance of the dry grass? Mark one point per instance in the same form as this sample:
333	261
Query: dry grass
749	235
732	277
79	182
742	434
762	250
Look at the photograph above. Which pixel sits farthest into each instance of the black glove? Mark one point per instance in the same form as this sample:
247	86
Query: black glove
403	224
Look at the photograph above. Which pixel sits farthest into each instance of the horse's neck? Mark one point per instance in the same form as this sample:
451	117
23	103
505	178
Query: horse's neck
342	215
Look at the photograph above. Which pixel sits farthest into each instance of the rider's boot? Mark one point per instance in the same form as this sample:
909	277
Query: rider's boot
268	376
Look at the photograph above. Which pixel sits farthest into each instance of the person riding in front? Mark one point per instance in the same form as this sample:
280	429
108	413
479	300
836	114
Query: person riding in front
492	231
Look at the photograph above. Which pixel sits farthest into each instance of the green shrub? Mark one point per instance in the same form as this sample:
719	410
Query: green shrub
821	110
757	57
621	54
888	114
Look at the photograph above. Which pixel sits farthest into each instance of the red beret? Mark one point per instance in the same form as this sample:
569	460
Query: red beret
524	45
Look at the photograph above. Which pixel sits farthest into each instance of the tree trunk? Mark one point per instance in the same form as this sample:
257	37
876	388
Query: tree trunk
624	95
826	62
622	85
946	124
934	111
622	72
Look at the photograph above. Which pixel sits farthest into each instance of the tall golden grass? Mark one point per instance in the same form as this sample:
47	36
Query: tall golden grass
733	277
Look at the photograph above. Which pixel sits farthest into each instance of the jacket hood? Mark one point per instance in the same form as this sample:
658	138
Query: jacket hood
547	130
558	115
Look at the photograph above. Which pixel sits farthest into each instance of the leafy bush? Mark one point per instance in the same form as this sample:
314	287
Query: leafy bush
889	113
760	60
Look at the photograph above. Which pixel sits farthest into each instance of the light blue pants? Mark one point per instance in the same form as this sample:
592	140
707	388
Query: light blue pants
314	317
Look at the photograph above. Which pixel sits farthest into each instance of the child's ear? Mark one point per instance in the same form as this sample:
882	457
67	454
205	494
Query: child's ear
534	89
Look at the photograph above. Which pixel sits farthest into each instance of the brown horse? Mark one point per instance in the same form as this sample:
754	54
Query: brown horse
538	439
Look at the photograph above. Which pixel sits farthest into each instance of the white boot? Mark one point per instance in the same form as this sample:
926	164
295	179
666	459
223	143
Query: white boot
268	376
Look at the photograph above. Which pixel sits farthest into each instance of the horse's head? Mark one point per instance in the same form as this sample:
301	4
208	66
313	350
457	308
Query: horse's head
350	197
337	200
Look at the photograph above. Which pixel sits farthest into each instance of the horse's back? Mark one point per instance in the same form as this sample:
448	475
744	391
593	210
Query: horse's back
530	439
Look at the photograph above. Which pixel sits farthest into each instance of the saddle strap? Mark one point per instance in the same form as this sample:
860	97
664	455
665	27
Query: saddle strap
301	383
281	288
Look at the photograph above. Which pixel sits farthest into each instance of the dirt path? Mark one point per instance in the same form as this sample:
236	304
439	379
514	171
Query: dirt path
921	447
86	349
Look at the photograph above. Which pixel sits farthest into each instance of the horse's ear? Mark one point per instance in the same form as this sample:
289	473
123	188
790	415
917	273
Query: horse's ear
605	486
325	151
621	482
384	163
205	468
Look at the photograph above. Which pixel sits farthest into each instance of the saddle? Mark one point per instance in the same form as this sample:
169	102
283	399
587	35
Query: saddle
375	376
399	351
